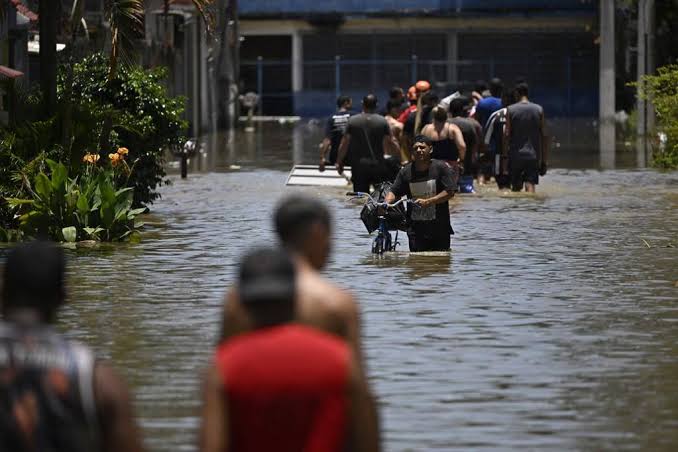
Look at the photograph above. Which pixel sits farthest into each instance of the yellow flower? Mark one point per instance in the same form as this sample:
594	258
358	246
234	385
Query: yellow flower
115	158
91	158
123	151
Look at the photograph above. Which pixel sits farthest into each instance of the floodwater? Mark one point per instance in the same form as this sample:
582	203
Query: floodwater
552	324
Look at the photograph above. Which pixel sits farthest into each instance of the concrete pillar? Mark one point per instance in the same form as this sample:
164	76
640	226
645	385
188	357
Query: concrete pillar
606	109
607	62
297	67
452	56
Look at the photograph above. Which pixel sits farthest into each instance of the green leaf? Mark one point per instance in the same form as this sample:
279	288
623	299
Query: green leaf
43	186
93	232
134	237
134	212
59	177
138	224
83	204
14	202
70	234
123	190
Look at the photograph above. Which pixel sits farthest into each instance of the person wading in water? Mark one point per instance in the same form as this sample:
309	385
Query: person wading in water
430	183
446	139
303	225
527	150
55	396
283	386
334	132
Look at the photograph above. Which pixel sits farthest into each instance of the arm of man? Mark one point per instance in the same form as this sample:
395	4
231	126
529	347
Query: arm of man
363	424
458	140
544	146
389	144
343	150
116	416
448	180
507	134
214	432
324	147
397	188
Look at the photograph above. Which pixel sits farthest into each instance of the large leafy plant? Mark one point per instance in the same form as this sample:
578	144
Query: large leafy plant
87	207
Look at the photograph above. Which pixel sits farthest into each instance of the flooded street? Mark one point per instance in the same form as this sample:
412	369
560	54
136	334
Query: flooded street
553	323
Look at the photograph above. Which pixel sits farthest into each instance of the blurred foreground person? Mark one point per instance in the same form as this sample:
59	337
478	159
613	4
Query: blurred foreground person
283	386
525	141
54	395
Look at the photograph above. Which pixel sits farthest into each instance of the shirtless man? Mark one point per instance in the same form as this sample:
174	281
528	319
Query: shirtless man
303	226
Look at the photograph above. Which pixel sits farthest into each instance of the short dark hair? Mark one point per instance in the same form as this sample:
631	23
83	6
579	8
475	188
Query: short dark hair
370	102
458	105
439	113
522	89
422	139
496	87
343	100
396	91
266	286
429	98
391	104
294	216
34	277
480	86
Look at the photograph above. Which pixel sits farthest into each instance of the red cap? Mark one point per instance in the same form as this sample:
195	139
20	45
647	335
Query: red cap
422	86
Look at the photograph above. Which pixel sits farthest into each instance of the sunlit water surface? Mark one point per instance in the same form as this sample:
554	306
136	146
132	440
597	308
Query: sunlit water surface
553	323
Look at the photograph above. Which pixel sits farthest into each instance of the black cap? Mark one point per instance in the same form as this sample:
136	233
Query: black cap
266	275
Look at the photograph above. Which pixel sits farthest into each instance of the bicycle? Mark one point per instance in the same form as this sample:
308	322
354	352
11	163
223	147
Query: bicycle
383	241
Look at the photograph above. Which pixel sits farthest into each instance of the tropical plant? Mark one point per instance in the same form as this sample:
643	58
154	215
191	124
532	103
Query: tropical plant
90	206
662	91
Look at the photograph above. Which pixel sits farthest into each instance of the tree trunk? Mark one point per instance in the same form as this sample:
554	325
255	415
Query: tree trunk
49	21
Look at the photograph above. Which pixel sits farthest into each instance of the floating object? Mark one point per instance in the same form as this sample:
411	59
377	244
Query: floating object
310	175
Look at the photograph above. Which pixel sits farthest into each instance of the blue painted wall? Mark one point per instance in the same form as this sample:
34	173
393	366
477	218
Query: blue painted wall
306	7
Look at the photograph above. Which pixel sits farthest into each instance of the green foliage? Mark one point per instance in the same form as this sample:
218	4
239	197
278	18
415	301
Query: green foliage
147	120
662	91
89	206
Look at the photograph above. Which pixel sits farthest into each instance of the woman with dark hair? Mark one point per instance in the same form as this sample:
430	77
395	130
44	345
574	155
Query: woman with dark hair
446	138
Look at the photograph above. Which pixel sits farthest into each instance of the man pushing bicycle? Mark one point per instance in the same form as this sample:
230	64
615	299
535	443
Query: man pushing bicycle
430	184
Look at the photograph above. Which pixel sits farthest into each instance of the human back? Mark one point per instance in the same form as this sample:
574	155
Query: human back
525	141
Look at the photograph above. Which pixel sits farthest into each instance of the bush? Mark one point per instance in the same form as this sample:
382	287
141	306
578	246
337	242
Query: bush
96	205
145	118
662	91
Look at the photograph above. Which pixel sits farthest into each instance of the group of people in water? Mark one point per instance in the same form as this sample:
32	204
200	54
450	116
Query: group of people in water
432	148
287	373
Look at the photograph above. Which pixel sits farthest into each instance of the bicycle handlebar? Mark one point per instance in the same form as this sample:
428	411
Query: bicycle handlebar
360	194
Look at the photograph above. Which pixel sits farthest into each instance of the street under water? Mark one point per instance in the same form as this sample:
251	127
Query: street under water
552	324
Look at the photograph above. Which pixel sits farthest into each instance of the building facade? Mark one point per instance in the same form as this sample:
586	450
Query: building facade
301	54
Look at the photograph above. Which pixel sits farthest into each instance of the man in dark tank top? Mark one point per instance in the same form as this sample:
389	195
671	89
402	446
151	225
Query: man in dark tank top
525	141
54	395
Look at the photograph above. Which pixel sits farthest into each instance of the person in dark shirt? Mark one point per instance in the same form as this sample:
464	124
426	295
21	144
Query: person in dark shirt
525	141
55	395
430	183
470	129
368	137
484	110
334	131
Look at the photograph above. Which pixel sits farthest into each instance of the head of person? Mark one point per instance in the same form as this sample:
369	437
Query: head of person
422	148
392	108
422	86
480	86
303	225
521	90
496	87
266	286
370	103
439	113
459	106
412	94
396	94
430	99
33	280
344	102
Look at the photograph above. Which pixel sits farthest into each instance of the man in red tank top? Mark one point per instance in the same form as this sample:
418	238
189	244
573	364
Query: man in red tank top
283	386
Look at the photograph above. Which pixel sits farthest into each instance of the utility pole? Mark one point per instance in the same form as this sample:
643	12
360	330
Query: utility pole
49	13
606	107
228	63
646	63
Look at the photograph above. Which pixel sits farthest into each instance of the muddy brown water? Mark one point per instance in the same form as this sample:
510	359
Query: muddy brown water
552	324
